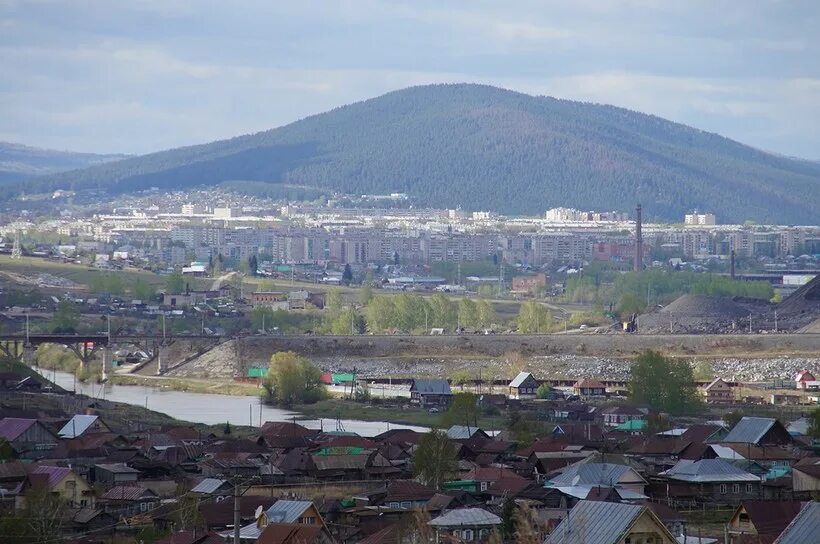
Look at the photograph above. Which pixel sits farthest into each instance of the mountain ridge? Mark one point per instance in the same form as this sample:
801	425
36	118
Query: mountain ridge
20	162
482	147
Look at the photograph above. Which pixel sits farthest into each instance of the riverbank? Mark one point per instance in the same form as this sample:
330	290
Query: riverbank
190	385
390	413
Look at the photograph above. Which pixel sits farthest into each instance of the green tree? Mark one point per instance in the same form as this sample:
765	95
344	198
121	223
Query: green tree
629	304
292	379
365	293
731	418
463	410
435	460
143	290
412	312
467	313
543	391
534	317
253	265
334	300
66	317
174	284
703	371
381	314
662	383
485	313
348	322
347	275
442	311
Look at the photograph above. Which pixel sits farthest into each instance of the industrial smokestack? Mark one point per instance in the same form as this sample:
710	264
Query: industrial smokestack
732	264
638	265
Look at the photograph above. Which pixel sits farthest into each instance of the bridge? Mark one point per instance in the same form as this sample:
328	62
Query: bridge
21	346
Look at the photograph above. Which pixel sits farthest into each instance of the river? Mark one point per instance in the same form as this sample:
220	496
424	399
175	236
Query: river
213	409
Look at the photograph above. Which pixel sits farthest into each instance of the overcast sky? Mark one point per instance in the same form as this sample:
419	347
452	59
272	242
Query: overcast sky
135	77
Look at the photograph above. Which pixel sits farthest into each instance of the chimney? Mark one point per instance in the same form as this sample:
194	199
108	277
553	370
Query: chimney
732	264
638	265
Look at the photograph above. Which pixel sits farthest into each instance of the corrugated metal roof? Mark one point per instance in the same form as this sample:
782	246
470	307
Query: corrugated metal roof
117	468
340	462
466	517
749	430
725	452
55	474
461	432
432	387
77	425
595	521
518	380
12	427
804	528
127	493
208	485
284	511
591	474
582	491
708	470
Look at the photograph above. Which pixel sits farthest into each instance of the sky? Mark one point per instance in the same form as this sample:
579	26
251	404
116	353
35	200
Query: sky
141	76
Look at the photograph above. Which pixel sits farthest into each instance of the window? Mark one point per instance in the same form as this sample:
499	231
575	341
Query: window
309	520
749	488
736	489
484	486
722	489
467	535
406	504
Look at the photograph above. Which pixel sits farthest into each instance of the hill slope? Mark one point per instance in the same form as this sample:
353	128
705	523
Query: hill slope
486	148
21	162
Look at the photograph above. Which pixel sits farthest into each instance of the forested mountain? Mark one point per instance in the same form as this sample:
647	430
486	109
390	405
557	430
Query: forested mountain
481	147
20	162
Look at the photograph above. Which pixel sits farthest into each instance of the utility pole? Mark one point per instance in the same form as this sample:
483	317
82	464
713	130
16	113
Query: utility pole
750	322
236	511
775	321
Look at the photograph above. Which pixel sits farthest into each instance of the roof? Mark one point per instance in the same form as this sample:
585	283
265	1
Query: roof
431	387
708	470
466	517
77	425
284	511
714	382
127	493
804	527
770	517
588	384
55	475
632	425
289	533
340	462
12	427
591	474
462	432
750	430
208	485
520	379
596	521
117	468
404	490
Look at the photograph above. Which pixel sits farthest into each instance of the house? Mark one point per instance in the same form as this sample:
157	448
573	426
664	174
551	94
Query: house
462	432
711	480
802	378
761	521
610	523
430	393
761	431
718	392
128	500
282	511
579	479
468	524
804	528
61	482
523	387
785	399
806	476
81	425
213	487
28	438
398	494
276	300
111	474
294	533
589	388
618	415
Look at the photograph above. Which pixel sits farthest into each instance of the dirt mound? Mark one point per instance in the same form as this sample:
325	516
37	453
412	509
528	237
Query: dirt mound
704	306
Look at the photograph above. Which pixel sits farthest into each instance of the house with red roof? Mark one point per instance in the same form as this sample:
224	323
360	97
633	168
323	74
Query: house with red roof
60	482
589	388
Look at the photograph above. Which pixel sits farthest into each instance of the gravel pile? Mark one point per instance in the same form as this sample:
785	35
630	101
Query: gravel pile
693	314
